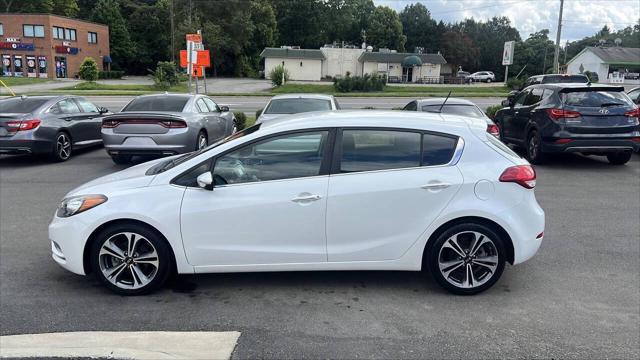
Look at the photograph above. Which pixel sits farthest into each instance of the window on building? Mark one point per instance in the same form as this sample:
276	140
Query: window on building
70	34
33	30
92	37
1	29
57	32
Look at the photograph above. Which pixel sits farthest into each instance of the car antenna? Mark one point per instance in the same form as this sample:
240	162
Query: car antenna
445	100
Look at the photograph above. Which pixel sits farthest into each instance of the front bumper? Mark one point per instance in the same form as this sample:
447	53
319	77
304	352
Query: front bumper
68	240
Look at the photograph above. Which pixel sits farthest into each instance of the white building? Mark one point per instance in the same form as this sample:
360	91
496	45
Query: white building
333	61
606	62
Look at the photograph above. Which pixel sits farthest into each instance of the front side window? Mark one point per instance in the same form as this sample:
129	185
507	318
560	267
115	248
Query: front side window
67	106
202	107
521	97
212	105
368	150
282	157
87	106
534	96
299	105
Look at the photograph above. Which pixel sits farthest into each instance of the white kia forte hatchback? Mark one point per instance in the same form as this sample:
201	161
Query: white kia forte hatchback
362	190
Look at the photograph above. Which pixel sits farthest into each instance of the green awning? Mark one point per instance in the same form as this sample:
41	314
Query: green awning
411	61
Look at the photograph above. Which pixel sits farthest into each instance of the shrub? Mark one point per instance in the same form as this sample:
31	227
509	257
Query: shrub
259	112
276	75
165	75
364	83
241	120
593	76
492	110
113	74
88	70
515	83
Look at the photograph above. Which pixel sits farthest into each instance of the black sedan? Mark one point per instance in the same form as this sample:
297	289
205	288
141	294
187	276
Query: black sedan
49	125
584	118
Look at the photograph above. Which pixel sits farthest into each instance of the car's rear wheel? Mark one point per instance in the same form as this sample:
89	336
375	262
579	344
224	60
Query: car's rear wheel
534	147
467	258
121	159
201	142
130	259
62	147
488	80
619	158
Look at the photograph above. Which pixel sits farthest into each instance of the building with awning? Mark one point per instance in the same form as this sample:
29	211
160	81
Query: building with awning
612	64
332	61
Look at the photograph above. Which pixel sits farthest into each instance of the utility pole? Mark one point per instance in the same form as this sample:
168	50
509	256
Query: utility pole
173	32
556	55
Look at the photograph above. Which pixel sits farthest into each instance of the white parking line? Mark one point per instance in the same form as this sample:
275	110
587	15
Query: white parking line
122	345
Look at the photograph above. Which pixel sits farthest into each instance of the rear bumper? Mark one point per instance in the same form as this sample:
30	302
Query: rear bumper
25	146
174	142
599	145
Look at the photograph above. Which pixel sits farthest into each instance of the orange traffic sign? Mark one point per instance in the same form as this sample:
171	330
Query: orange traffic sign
196	38
203	58
198	71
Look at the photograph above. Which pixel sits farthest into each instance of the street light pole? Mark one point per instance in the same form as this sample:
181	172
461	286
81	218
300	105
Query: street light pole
556	55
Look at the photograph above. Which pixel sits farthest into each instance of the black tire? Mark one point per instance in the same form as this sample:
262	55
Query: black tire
201	139
619	158
533	148
62	147
114	234
121	159
500	132
485	279
488	81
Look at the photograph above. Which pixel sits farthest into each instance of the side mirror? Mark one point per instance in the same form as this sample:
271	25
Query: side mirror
507	103
205	180
224	108
103	110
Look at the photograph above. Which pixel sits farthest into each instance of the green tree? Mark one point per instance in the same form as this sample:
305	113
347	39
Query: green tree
385	29
59	7
420	29
459	50
301	22
108	12
536	52
88	69
149	28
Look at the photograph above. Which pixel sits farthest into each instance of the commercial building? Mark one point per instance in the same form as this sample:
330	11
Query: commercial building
332	61
43	45
612	64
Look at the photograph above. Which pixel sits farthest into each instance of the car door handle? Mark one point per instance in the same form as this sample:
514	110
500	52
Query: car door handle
306	198
435	186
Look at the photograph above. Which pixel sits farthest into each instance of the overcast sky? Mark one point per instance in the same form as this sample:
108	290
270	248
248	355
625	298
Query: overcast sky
581	17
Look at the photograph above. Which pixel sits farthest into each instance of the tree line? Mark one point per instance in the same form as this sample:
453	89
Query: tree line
236	31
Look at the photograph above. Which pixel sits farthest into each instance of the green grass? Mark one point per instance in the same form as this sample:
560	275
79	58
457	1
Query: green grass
15	81
92	86
400	91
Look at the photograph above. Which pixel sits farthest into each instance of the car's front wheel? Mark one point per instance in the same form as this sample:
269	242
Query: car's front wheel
131	259
619	158
467	259
488	80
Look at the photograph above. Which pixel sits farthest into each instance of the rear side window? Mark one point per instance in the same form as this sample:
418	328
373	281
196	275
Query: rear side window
368	150
595	98
20	105
437	149
157	103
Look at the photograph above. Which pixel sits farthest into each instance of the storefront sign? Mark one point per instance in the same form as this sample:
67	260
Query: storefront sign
16	40
16	46
66	50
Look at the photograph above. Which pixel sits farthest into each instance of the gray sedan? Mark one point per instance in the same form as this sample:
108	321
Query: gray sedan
51	125
165	124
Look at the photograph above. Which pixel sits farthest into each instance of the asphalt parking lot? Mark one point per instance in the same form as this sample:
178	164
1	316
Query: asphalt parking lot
578	298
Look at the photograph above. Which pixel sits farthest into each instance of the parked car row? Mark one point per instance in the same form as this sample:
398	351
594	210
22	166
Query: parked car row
162	124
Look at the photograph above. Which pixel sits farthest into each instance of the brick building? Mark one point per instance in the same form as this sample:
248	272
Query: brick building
42	45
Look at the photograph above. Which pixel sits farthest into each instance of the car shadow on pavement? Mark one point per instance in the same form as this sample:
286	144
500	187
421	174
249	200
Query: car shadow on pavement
24	160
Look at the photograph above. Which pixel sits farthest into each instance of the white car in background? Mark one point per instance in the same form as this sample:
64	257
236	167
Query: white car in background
288	104
483	76
365	190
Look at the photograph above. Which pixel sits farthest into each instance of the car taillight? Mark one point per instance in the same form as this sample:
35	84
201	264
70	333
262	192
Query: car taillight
110	124
557	114
633	113
523	175
493	130
23	125
173	124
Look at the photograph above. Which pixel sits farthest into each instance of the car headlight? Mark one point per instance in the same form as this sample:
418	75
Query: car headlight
77	204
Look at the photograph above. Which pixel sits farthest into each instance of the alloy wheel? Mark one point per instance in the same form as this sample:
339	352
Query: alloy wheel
63	146
128	260
202	141
534	146
468	259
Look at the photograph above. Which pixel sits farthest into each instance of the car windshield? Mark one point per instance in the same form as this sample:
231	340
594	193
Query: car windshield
168	164
297	105
595	98
455	109
558	79
21	105
157	103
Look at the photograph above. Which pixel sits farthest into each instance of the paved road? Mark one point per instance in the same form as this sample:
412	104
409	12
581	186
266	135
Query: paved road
249	104
578	298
